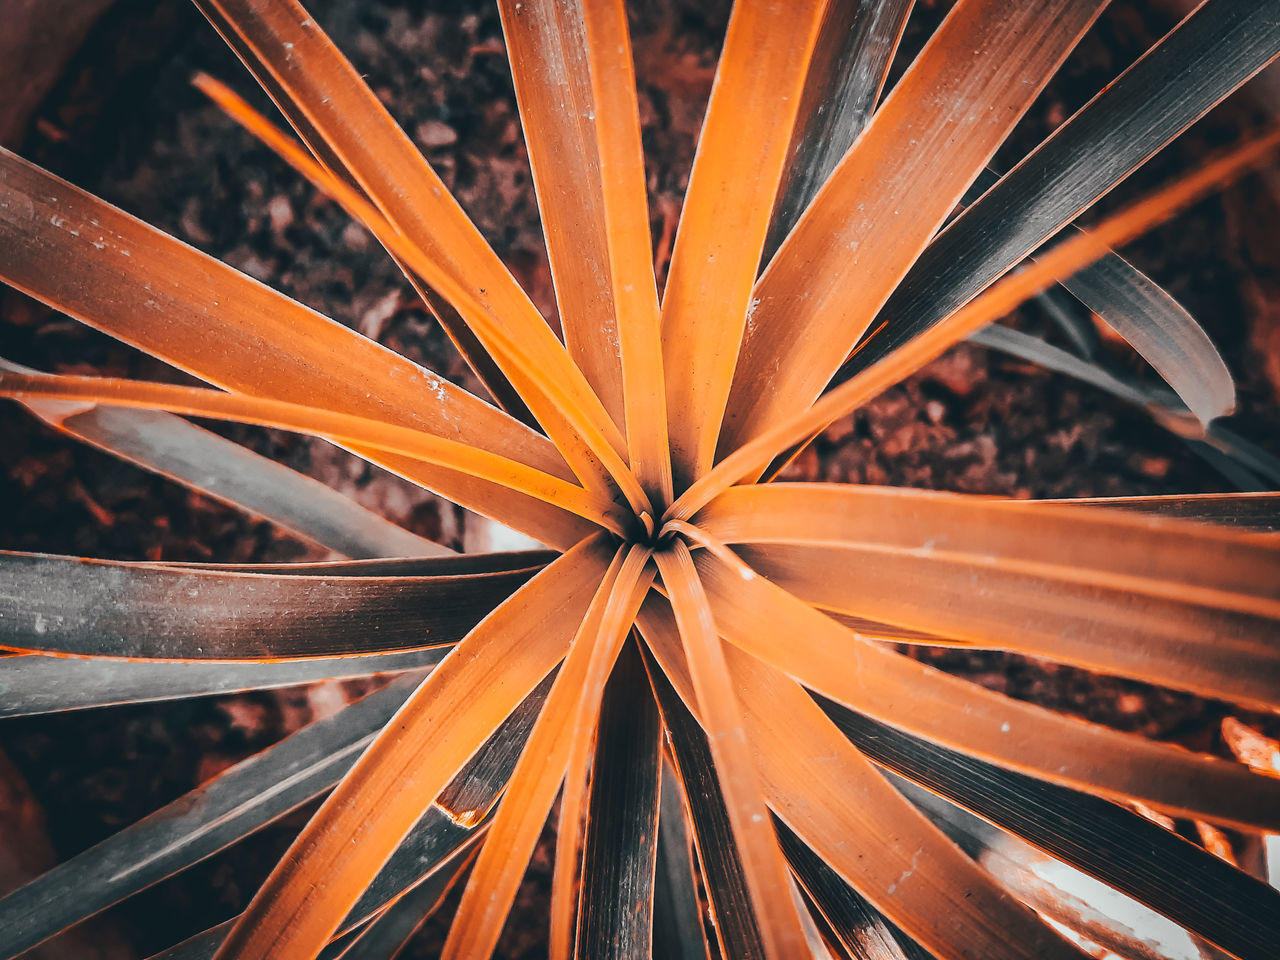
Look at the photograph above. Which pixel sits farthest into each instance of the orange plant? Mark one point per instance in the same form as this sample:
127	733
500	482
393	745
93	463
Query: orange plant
745	630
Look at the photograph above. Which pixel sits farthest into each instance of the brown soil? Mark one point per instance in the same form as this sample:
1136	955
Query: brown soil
125	124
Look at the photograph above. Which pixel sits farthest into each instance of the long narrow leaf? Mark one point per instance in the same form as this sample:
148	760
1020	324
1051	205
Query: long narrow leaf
1185	645
250	795
764	869
440	727
570	713
678	930
741	151
961	715
1101	915
856	43
1161	330
1233	456
1188	885
35	684
615	919
1245	511
624	204
546	44
97	608
1148	317
1195	561
377	435
1027	347
202	460
1198	605
933	135
75	253
443	832
204	945
1216	49
735	925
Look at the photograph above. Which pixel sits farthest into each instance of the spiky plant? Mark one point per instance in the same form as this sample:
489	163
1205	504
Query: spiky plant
742	629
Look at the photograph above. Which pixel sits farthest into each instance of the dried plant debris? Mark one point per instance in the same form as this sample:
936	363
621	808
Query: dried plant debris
725	680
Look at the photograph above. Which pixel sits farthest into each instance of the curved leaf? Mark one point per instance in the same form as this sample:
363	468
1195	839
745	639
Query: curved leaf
1160	330
217	467
1190	886
1216	49
77	253
856	43
35	684
894	188
774	626
96	608
445	721
1147	317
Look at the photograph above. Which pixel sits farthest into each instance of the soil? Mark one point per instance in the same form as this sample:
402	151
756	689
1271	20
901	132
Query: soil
125	124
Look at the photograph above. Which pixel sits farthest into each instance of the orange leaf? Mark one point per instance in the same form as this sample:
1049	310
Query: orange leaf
412	760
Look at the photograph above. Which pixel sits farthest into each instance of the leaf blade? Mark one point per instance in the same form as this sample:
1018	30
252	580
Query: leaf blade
303	900
202	460
546	45
875	214
625	205
964	716
206	318
1127	851
615	919
764	869
1212	52
570	713
66	606
741	151
515	479
856	44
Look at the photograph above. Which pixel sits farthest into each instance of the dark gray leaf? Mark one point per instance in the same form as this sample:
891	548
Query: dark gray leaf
1216	49
70	606
1191	887
847	70
615	915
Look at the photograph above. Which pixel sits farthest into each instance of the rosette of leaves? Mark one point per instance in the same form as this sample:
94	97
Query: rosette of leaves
703	660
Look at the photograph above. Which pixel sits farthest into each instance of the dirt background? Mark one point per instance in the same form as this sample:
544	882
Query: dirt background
124	123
